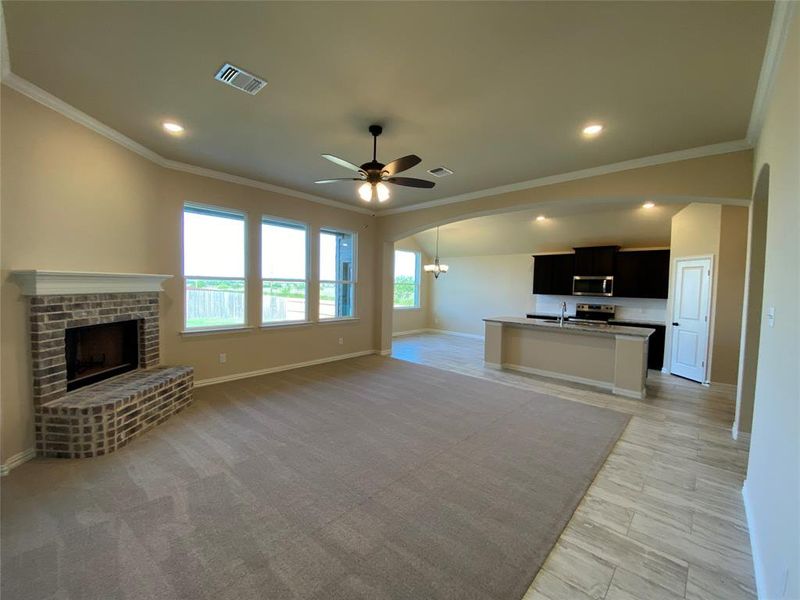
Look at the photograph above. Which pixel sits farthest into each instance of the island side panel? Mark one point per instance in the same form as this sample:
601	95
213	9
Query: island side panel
574	356
493	345
631	366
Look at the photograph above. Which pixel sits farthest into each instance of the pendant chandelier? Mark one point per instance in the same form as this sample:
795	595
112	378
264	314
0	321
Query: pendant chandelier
436	268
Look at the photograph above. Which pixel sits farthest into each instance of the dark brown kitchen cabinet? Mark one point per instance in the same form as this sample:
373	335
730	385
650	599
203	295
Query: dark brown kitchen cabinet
552	274
598	260
642	274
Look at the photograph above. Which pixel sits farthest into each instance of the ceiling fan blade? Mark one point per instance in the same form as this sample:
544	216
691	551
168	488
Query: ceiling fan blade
411	182
402	164
343	163
340	179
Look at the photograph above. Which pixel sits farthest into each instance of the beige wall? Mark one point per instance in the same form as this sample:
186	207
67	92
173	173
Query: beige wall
721	232
481	286
412	319
730	294
772	490
74	200
722	177
754	289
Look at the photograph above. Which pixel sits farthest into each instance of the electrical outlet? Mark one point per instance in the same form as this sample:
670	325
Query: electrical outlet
223	358
341	341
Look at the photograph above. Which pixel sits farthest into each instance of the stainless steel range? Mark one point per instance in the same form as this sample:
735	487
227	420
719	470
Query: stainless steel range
593	313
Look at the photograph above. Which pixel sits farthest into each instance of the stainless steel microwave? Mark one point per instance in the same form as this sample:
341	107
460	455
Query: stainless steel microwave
593	285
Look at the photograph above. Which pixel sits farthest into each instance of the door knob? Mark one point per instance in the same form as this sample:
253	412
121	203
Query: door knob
674	324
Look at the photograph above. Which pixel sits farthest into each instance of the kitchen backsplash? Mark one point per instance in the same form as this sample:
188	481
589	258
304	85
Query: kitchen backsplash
630	309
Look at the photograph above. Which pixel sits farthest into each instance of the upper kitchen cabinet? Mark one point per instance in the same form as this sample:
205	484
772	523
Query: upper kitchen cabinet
552	274
642	274
599	260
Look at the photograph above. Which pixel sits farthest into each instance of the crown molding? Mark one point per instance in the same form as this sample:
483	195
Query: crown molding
45	98
636	163
230	178
777	37
782	12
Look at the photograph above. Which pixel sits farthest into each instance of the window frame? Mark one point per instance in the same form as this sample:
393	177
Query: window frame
417	280
292	223
353	282
210	208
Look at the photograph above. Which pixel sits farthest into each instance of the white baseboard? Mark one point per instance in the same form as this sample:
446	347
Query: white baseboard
555	375
474	336
758	565
739	435
384	352
289	367
409	332
629	393
17	460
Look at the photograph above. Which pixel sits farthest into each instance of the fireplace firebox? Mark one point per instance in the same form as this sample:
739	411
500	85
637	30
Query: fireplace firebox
97	352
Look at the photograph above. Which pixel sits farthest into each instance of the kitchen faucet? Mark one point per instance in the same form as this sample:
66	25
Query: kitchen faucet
563	314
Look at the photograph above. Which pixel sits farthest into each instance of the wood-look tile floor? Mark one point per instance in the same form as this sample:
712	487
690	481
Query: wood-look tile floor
664	518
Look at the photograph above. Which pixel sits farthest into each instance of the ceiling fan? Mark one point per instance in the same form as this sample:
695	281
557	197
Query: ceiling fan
376	175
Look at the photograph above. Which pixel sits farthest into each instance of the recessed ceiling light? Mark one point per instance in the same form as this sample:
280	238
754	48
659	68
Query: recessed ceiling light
592	130
541	218
172	127
648	204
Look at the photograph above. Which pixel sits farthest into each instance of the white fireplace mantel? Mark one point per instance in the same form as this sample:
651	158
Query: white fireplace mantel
44	283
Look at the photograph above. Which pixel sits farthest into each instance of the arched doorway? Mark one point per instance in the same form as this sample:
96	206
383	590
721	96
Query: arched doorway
754	288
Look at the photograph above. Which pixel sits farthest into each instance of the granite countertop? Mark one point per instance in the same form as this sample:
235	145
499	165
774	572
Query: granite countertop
620	321
567	327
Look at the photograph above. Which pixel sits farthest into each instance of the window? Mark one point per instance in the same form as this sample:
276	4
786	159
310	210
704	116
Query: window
284	268
337	274
213	267
406	279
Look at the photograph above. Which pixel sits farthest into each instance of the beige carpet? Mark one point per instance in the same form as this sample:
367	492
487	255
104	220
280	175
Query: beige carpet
370	478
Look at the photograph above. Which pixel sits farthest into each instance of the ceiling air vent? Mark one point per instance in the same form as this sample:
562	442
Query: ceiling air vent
241	80
440	172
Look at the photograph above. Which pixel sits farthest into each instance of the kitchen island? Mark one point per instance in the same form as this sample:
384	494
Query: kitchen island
613	357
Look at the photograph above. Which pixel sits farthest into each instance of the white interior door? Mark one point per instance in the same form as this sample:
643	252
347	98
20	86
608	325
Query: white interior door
690	318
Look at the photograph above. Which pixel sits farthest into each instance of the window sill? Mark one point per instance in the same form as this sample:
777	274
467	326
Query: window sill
216	330
407	308
337	320
286	324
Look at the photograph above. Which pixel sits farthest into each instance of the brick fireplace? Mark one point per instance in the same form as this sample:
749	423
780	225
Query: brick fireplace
95	360
53	317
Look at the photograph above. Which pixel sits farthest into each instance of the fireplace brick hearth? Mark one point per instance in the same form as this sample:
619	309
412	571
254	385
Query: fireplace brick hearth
104	415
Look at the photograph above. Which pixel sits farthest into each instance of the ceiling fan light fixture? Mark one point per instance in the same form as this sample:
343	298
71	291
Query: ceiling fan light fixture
383	191
365	192
378	177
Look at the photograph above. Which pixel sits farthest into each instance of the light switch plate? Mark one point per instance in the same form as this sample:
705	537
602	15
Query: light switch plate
771	316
